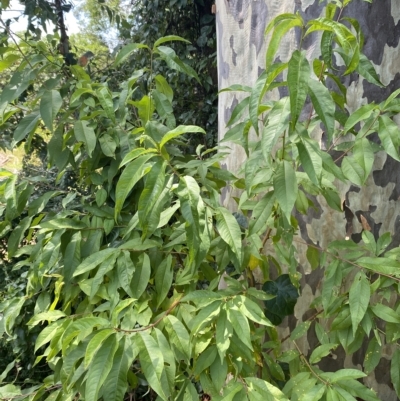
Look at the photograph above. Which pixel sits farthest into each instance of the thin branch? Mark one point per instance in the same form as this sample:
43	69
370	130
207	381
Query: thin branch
15	42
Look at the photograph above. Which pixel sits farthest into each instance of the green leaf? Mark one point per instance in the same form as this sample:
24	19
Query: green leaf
129	177
385	313
16	236
364	155
135	153
251	310
261	213
359	115
85	134
95	344
353	171
61	223
168	38
105	99
300	330
346	374
179	338
388	134
310	160
26	126
94	260
277	124
47	334
229	231
367	70
127	50
173	62
100	368
151	362
321	351
9	60
323	104
359	296
372	355
163	279
50	316
278	33
285	186
268	391
395	371
108	145
163	86
298	83
240	326
141	277
255	99
164	108
50	105
380	265
223	333
115	386
238	111
178	131
154	186
286	295
204	360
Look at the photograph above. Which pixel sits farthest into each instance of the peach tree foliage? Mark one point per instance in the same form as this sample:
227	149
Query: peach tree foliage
120	277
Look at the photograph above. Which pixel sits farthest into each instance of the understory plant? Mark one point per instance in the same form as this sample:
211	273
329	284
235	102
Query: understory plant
126	279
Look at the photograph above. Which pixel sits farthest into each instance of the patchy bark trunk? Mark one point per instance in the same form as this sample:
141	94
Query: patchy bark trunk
241	58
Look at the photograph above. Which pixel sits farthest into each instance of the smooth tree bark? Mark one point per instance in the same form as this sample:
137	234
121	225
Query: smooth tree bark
241	58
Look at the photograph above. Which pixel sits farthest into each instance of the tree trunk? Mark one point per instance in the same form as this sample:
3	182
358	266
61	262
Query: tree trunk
241	58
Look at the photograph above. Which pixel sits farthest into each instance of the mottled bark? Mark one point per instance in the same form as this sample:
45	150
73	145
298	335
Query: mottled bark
241	57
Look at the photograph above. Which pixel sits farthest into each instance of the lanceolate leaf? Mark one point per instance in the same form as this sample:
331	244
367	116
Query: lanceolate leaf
261	213
141	277
353	171
395	371
323	104
127	50
359	115
151	362
277	124
298	80
277	35
100	368
179	337
85	134
285	186
50	105
129	177
389	136
26	126
154	186
163	279
364	155
229	231
106	102
178	131
94	260
95	344
169	38
115	386
310	160
358	299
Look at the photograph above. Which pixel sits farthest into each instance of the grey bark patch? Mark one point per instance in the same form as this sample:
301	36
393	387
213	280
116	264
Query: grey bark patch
259	13
232	45
375	20
239	9
223	66
389	173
